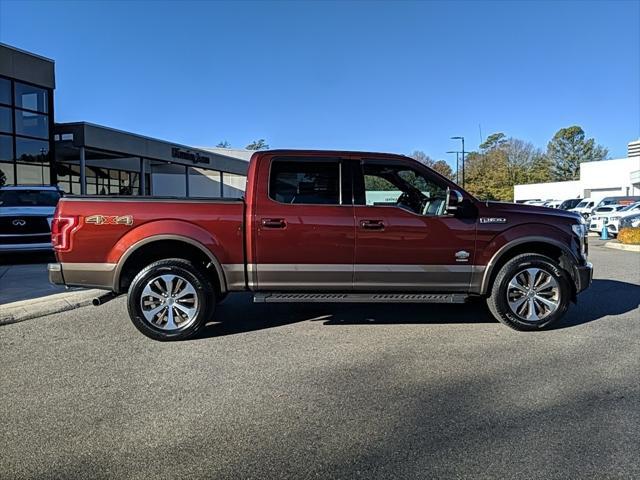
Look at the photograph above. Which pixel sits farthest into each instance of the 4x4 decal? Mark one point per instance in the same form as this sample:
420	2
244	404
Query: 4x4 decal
109	219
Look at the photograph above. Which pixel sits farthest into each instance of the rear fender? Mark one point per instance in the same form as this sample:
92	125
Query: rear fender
168	230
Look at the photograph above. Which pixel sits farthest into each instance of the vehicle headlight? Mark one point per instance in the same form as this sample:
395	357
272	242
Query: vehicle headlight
580	230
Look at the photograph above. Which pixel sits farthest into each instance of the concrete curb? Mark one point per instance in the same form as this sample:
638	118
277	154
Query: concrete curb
39	307
623	246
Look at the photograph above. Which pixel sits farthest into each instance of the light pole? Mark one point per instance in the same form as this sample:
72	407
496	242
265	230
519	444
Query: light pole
461	138
457	165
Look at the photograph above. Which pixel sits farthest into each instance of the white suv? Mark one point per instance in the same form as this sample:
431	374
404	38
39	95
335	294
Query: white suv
613	220
25	217
584	207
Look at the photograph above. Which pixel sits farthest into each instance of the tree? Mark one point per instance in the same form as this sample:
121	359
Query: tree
258	145
443	169
439	166
568	149
502	163
493	141
223	144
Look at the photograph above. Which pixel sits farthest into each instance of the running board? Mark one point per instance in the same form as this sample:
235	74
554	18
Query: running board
359	298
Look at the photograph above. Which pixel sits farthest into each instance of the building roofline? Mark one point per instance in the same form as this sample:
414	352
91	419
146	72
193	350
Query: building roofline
26	52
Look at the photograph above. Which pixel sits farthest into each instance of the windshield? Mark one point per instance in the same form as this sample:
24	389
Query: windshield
29	198
630	207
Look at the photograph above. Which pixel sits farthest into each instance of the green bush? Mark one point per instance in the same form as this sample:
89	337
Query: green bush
629	235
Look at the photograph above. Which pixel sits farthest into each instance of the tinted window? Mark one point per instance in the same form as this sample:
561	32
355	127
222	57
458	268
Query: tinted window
29	198
6	147
5	91
6	174
32	124
32	98
305	182
29	150
6	122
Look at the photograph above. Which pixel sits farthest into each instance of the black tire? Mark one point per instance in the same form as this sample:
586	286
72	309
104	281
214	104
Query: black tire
204	293
498	303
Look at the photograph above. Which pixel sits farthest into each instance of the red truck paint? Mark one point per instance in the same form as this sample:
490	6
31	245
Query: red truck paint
264	245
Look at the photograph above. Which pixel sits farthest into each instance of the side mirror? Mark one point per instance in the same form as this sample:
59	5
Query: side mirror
454	199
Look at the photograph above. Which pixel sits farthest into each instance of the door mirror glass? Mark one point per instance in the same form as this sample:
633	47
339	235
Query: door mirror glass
454	199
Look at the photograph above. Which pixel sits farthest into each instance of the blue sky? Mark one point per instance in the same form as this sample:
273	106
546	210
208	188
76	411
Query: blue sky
383	76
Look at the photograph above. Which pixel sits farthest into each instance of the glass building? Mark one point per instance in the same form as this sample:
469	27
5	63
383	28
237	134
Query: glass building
82	158
26	118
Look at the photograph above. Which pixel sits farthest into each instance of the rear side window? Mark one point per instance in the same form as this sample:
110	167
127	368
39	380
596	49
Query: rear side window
305	182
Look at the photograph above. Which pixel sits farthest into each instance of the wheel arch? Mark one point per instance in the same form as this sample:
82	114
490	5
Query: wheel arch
532	244
143	250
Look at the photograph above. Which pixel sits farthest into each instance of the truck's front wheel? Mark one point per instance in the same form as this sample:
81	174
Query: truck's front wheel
530	292
170	299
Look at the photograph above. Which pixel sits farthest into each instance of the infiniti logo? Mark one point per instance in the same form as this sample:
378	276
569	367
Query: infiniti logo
18	222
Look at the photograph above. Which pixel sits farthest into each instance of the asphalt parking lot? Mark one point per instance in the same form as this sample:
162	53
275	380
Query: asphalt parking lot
330	391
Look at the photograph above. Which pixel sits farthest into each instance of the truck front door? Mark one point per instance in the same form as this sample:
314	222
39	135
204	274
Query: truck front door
405	241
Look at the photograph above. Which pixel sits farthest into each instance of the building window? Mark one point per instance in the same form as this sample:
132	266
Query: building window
32	174
6	120
32	124
25	128
233	185
29	97
6	174
5	91
30	150
204	183
6	148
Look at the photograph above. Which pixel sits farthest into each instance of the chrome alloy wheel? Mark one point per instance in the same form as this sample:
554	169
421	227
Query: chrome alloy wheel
169	302
533	294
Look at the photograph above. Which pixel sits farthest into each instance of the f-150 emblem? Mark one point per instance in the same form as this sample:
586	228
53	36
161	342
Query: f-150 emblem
109	219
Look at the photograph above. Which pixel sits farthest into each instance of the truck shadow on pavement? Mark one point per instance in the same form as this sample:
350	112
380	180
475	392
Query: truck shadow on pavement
238	314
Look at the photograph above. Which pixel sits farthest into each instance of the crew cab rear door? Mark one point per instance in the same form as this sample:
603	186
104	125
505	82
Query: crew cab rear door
405	241
303	226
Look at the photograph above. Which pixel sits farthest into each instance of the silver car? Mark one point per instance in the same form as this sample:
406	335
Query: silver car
25	217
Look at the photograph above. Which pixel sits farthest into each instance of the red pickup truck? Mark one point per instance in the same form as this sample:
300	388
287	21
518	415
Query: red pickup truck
322	226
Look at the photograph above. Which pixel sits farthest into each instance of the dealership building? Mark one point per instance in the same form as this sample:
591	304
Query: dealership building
84	158
606	178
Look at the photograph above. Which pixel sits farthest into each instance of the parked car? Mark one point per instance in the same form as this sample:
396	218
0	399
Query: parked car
619	200
552	203
310	230
630	221
569	204
584	207
600	216
614	221
25	217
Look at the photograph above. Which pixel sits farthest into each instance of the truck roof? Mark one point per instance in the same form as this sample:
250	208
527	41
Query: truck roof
293	151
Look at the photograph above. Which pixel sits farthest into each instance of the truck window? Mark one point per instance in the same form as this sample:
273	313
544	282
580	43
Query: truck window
305	182
401	186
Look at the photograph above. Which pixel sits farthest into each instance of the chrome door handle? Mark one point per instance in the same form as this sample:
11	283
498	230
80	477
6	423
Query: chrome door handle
273	223
372	224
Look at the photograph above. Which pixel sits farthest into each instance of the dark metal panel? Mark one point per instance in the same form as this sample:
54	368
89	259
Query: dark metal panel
27	67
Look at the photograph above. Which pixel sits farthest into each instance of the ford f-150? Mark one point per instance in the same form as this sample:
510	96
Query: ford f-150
323	226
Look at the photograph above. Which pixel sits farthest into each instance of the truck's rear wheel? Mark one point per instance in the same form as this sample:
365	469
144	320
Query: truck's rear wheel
170	299
530	292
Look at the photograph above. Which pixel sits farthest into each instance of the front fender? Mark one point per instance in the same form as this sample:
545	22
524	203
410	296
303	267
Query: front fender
499	247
